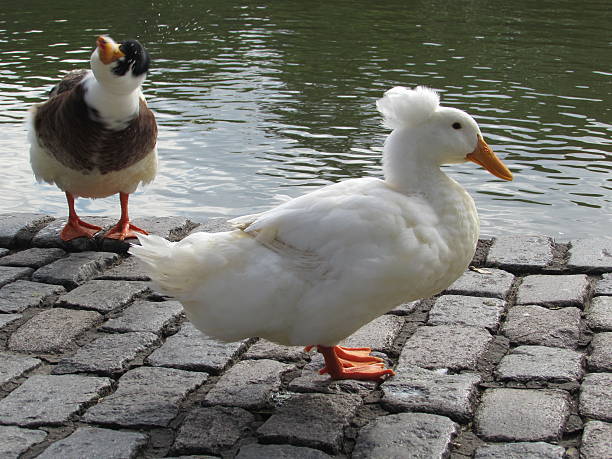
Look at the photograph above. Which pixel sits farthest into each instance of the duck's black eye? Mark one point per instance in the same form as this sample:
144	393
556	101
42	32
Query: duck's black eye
456	125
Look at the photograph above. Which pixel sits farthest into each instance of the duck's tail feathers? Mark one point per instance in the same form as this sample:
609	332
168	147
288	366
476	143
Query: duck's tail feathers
164	263
403	107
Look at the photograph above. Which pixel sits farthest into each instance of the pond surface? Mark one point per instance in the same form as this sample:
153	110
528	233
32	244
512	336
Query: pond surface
272	99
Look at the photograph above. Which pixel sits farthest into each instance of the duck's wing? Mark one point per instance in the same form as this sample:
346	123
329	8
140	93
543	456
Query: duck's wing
70	80
264	228
355	216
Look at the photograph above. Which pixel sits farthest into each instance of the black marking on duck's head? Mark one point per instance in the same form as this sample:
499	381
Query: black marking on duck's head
136	58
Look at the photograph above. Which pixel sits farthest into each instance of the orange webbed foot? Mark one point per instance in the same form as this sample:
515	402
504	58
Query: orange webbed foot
356	354
123	230
372	372
352	363
75	227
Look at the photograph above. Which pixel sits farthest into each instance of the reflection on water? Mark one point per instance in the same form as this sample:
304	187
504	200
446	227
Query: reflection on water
269	99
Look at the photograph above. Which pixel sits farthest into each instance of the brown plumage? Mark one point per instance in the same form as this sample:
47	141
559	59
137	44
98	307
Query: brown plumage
91	144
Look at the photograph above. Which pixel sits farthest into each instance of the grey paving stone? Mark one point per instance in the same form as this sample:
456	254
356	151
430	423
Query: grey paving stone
455	347
416	435
596	440
108	354
212	429
32	258
129	269
95	443
591	255
213	225
601	352
312	381
598	315
313	420
490	282
7	319
199	456
520	252
75	269
250	384
145	397
51	400
522	415
52	330
596	396
145	316
264	349
172	228
416	389
103	295
14	440
13	366
257	451
604	285
190	349
17	229
49	236
542	326
23	294
553	291
378	334
540	363
467	310
405	308
10	274
537	450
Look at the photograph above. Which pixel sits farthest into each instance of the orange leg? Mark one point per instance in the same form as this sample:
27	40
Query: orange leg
75	227
124	229
351	363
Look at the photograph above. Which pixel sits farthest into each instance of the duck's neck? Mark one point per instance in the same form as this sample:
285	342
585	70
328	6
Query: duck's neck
457	220
408	171
412	173
114	109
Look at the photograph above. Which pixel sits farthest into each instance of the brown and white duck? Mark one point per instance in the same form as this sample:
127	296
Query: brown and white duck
95	136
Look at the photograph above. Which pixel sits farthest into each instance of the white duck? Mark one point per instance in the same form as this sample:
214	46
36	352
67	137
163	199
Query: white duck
315	269
95	136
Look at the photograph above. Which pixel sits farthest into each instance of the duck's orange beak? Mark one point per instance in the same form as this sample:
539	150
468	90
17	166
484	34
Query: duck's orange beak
484	156
108	50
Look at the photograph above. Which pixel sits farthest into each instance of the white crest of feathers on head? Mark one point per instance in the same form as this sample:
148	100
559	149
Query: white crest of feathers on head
403	107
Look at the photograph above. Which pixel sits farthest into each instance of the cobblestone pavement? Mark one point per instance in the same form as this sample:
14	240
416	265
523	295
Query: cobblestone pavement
514	360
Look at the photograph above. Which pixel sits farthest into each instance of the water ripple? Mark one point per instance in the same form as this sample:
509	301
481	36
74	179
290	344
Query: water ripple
257	102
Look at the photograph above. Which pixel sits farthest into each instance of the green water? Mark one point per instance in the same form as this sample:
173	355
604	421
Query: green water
257	100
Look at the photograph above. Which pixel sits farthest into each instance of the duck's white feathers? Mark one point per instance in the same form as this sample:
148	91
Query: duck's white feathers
314	269
403	107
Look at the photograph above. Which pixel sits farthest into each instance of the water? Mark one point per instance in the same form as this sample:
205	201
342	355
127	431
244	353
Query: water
270	99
